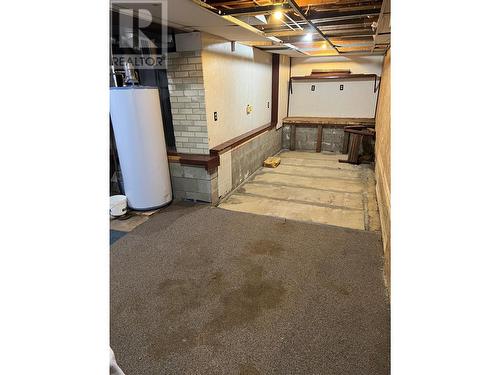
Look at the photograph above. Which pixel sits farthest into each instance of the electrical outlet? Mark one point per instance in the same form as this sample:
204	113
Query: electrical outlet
215	116
313	88
341	87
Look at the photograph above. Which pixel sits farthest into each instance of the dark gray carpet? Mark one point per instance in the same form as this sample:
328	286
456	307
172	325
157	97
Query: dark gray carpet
201	290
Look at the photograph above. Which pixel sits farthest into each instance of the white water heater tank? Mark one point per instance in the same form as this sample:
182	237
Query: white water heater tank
140	141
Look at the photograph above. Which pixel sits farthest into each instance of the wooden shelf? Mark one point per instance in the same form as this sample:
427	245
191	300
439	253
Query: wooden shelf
342	77
328	121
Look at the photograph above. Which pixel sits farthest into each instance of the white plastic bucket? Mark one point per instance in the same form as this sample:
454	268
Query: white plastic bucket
117	205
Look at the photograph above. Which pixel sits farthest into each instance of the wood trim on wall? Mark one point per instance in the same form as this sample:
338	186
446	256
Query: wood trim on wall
383	162
275	89
328	121
384	207
207	161
232	143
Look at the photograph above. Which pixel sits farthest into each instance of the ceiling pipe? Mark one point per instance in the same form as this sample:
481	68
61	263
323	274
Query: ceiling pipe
297	9
291	19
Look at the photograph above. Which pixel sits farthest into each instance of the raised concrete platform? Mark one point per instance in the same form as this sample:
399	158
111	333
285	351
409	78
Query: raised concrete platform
311	187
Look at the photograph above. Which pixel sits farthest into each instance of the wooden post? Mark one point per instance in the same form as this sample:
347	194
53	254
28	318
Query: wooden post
292	137
353	156
319	140
345	146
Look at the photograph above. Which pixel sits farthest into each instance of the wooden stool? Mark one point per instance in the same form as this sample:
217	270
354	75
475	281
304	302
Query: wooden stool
354	137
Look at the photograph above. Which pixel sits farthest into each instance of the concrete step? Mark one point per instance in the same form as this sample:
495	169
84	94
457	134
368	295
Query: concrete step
328	163
339	185
295	211
318	172
312	155
304	195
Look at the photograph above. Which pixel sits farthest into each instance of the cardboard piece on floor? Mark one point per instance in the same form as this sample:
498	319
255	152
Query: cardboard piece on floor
272	162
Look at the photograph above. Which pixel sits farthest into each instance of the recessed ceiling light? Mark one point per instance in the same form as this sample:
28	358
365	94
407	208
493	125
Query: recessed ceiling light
308	37
278	14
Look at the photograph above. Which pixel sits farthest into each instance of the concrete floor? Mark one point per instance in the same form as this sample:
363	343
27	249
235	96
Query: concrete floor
312	187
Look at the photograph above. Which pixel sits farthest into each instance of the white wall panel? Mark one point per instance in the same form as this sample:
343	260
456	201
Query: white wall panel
232	81
357	99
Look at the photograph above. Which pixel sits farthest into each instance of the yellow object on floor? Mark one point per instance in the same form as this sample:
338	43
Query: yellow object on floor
272	162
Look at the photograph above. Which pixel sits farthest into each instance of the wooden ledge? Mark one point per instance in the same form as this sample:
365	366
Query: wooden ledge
328	121
212	161
207	161
232	143
338	76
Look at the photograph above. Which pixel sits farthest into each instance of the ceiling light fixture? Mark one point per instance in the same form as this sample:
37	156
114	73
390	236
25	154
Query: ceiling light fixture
278	14
308	37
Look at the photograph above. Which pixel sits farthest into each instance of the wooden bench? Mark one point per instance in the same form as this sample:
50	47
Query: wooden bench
320	122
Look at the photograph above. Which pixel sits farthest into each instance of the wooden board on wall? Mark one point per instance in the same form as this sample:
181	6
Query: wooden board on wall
383	161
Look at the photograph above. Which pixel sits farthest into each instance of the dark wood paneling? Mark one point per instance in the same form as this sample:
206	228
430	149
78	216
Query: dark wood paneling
208	161
275	89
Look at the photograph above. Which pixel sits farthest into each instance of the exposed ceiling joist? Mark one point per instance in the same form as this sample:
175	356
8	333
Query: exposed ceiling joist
315	27
298	10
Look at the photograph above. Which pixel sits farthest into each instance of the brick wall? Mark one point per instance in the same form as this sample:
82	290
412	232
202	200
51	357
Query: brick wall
187	99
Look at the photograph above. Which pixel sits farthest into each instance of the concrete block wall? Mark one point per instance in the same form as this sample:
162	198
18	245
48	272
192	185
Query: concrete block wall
196	183
305	139
187	99
248	157
193	182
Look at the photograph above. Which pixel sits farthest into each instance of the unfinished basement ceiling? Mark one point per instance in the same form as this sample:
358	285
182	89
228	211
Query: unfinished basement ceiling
308	27
186	15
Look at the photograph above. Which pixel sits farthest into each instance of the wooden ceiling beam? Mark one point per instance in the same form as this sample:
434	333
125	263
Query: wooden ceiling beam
349	33
354	8
340	3
383	24
318	17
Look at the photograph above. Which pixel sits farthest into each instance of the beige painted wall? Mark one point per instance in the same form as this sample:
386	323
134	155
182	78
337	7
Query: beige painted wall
383	162
357	98
232	81
283	89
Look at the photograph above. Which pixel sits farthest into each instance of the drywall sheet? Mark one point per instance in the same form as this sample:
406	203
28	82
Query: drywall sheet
339	98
